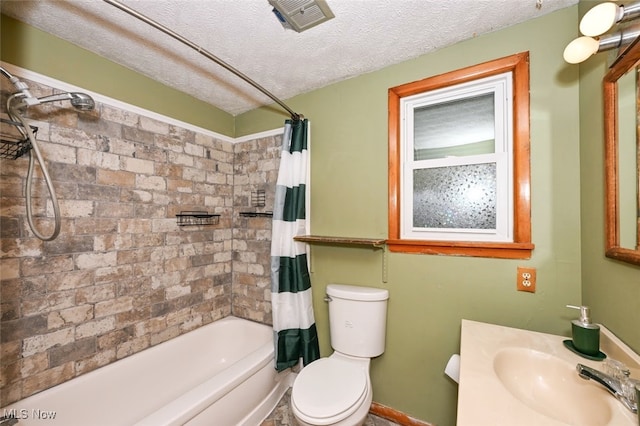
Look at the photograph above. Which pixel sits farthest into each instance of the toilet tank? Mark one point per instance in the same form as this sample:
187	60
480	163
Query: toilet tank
357	319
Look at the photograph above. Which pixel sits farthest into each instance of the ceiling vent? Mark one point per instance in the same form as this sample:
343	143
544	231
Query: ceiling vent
300	15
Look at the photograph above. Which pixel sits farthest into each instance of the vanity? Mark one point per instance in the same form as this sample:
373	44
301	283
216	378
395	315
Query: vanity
510	376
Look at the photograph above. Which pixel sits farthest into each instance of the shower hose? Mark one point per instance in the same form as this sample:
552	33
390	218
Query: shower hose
26	131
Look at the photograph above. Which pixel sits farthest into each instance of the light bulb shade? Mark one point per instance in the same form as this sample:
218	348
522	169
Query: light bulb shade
580	49
600	19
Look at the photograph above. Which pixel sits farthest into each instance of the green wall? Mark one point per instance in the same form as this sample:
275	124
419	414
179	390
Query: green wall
611	288
35	50
430	294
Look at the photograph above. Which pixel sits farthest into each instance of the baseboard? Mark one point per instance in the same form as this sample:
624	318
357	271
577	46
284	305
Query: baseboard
395	416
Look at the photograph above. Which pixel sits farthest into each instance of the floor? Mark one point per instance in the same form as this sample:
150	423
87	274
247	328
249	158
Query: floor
282	416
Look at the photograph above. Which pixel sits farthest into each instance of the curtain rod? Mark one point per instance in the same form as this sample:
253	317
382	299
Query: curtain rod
294	116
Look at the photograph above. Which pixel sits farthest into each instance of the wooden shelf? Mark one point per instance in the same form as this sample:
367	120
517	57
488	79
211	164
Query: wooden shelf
349	241
372	242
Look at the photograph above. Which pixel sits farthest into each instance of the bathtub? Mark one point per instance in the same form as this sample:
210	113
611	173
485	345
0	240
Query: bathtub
220	374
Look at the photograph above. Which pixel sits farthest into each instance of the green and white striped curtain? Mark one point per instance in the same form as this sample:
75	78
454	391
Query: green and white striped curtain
294	327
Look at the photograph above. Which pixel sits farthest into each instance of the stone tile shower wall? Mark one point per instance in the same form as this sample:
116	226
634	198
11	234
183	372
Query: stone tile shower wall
121	276
256	168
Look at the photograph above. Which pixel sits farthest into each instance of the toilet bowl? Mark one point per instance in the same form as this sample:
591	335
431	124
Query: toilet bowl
336	391
333	391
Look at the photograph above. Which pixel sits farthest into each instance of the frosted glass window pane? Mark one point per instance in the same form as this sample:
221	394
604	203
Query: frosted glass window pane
457	128
455	197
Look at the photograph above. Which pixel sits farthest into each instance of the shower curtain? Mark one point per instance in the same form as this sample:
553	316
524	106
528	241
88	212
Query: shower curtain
294	325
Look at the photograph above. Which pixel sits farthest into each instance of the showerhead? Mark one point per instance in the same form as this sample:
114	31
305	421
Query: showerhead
24	98
80	101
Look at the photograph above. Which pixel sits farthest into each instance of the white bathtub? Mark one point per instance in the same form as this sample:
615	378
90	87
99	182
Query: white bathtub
220	374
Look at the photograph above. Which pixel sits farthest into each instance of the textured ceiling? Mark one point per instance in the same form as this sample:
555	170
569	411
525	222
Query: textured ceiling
364	36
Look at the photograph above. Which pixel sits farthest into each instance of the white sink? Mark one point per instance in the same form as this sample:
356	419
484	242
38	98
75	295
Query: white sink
510	376
552	387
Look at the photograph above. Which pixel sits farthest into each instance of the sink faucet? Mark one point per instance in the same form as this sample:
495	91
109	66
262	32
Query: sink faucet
613	385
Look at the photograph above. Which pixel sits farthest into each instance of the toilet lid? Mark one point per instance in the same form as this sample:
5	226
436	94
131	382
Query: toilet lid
328	387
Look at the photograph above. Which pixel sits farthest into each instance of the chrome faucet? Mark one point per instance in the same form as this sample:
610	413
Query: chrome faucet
624	392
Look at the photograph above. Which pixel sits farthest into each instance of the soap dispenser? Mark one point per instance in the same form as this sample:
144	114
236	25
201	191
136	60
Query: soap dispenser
586	336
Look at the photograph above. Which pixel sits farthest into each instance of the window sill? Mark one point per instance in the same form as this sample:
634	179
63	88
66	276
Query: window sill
450	248
463	248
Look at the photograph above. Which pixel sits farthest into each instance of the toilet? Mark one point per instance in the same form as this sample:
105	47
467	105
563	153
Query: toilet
336	391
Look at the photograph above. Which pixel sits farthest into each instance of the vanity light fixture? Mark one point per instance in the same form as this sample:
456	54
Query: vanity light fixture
596	22
581	48
599	19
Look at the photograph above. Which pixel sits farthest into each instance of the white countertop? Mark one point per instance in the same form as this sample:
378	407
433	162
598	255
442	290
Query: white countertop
483	400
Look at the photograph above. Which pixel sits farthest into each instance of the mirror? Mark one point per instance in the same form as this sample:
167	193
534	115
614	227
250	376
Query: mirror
622	216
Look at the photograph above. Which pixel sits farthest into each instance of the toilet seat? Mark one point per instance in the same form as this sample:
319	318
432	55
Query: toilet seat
329	390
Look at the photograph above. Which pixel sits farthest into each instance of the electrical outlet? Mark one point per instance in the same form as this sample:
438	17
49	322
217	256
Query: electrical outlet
526	280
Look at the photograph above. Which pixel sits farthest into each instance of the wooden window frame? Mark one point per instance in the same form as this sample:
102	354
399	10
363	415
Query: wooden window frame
521	247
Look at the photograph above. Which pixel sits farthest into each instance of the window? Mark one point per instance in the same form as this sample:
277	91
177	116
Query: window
459	162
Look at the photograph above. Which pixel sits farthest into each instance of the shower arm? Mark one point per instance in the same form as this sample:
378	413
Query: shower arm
294	116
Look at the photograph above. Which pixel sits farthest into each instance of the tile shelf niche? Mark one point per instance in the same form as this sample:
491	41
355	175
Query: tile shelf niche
191	218
256	214
349	241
